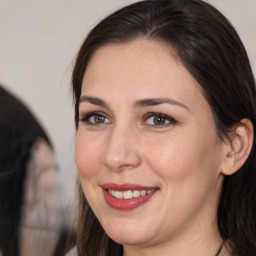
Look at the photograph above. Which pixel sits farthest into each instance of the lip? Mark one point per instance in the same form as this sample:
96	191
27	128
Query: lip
126	204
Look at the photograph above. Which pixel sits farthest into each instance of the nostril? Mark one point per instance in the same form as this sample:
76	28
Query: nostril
125	166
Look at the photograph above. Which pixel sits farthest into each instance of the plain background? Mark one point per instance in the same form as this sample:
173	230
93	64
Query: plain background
39	40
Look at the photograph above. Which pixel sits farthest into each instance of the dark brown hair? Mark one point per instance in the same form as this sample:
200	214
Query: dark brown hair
210	48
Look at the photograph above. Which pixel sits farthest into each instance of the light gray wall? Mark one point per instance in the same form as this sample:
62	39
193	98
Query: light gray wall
38	42
242	14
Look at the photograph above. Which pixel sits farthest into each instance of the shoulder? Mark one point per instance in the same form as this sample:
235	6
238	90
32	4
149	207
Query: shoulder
72	252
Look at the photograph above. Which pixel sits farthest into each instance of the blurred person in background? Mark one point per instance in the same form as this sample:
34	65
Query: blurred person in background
30	216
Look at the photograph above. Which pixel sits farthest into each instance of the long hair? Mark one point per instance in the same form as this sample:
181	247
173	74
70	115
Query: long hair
211	50
19	130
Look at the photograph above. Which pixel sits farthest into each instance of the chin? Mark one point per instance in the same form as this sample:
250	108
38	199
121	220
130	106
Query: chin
129	240
128	237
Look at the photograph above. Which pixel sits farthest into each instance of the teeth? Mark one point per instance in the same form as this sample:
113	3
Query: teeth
143	192
118	194
136	193
128	194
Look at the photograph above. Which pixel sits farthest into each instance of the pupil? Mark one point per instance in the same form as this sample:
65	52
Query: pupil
159	120
99	119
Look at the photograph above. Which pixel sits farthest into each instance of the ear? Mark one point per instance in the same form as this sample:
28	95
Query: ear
238	148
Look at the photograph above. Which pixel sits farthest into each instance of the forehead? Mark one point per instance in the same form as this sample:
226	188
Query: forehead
139	69
135	55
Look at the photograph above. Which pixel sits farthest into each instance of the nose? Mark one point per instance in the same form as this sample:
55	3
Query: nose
121	151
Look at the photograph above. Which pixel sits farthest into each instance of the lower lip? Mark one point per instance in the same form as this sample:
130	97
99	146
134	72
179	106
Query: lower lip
126	204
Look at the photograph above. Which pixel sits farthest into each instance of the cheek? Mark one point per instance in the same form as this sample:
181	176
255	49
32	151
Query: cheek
188	174
87	159
185	157
168	158
87	156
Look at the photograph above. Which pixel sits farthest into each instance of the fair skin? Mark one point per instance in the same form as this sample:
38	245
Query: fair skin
169	144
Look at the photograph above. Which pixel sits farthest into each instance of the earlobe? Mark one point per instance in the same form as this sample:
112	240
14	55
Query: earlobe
239	147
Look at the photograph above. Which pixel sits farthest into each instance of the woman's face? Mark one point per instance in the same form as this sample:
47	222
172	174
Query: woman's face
147	152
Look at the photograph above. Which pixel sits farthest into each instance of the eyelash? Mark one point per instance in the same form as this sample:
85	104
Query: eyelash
85	118
171	120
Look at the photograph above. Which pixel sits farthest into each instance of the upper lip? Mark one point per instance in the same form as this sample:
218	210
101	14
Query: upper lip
127	186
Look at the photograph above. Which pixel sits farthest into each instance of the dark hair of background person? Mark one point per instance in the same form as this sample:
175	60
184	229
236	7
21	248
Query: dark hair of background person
211	50
18	132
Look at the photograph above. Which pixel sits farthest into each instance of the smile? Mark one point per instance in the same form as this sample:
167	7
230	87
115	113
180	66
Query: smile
129	194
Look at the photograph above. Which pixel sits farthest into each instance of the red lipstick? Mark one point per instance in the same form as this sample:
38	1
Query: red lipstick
127	204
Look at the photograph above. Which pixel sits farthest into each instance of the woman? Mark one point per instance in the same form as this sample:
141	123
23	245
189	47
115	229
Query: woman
29	220
165	149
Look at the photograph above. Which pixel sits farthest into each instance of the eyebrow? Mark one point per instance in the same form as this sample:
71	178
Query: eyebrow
157	101
93	100
137	104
